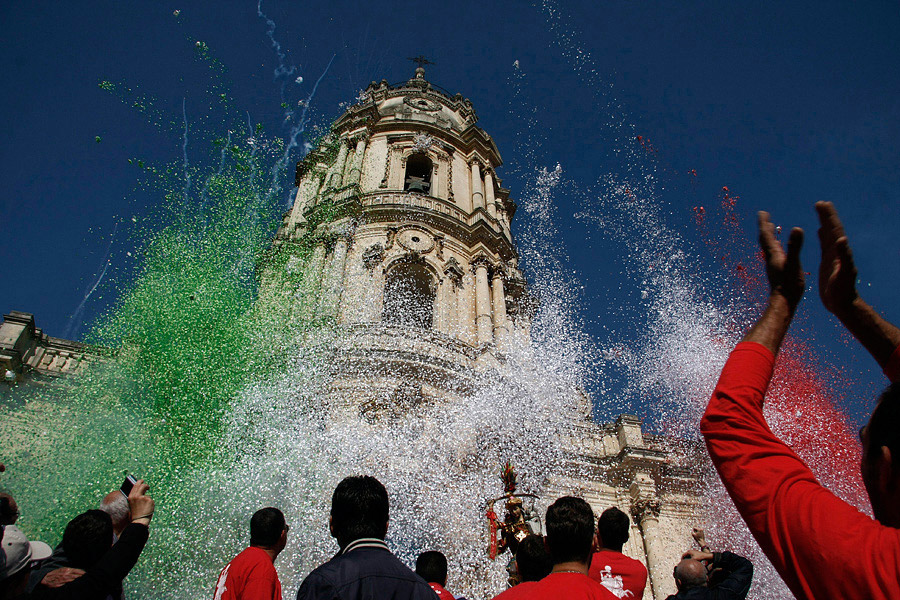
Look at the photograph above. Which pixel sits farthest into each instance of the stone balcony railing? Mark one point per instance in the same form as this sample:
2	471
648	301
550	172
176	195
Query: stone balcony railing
432	203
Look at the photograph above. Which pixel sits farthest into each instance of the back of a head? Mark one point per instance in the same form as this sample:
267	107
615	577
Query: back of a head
570	530
432	567
87	538
884	425
9	510
359	509
266	526
115	504
532	560
690	573
613	526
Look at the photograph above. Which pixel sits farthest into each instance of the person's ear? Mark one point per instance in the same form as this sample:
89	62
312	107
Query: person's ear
885	470
331	527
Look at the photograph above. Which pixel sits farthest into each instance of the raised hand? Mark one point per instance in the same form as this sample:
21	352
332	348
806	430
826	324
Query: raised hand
699	536
837	272
782	268
142	505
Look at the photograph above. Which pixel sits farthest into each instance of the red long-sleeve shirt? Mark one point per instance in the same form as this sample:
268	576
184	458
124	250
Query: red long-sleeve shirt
821	546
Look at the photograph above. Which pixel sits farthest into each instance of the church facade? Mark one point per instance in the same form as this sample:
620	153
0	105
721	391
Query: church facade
400	235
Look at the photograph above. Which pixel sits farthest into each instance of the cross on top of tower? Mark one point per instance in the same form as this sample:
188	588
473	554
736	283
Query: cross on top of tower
421	61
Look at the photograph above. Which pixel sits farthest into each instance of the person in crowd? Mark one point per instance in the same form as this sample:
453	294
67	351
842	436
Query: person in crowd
58	570
88	544
432	567
694	580
115	504
364	567
625	577
251	574
533	564
821	546
570	538
17	555
9	510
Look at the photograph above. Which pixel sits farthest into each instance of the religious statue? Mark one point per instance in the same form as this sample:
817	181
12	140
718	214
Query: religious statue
519	521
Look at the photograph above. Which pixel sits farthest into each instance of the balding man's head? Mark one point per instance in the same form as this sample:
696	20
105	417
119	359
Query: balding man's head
690	573
116	506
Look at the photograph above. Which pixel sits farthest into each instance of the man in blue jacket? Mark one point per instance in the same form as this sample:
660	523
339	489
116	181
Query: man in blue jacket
364	568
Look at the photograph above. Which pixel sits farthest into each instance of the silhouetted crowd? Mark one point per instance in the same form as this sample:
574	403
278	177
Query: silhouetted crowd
821	546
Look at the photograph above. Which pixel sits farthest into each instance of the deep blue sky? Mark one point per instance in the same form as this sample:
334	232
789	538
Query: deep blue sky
784	103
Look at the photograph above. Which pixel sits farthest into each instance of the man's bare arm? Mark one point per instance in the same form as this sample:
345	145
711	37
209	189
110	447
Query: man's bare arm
837	289
786	283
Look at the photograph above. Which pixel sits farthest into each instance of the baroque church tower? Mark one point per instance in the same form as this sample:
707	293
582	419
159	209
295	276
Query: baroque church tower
400	237
400	234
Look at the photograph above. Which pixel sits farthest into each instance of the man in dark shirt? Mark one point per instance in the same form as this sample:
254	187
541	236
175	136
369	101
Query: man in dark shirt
364	567
88	541
692	576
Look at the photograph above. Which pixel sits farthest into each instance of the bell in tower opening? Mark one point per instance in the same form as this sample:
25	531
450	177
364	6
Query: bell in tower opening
418	174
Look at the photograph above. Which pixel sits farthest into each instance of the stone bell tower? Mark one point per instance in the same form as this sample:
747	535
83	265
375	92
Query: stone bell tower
400	235
399	240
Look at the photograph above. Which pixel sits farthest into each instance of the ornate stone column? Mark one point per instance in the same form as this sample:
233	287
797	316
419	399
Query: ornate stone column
645	507
452	286
501	326
464	309
333	283
441	305
307	293
336	170
489	193
483	320
356	164
477	189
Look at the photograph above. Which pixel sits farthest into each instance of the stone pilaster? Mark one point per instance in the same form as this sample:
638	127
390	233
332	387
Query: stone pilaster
501	326
333	283
477	186
645	508
483	321
336	170
308	292
489	193
356	164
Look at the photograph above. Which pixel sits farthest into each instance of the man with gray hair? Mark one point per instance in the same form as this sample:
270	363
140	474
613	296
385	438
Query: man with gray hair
115	504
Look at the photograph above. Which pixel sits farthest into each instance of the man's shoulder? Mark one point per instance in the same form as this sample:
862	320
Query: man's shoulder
251	559
517	592
569	585
365	566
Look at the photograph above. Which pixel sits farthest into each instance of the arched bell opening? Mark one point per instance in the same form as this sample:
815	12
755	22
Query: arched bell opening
418	174
409	291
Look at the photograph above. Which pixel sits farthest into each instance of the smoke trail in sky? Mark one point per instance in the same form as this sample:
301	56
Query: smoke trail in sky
282	70
78	315
184	145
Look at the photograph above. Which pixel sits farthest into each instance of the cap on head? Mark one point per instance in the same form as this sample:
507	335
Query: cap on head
17	552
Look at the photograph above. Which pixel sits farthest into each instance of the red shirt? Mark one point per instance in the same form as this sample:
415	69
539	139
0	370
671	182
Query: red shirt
625	577
821	546
441	592
517	592
249	576
566	586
